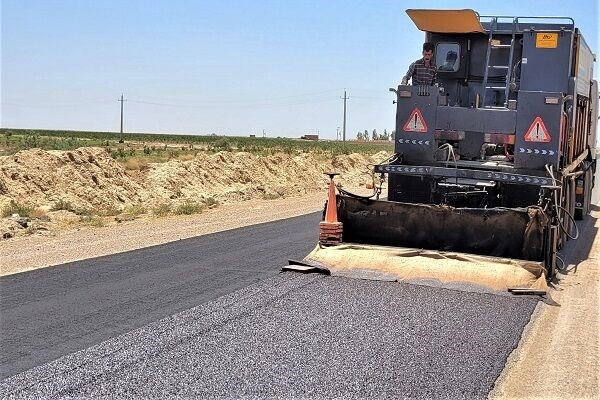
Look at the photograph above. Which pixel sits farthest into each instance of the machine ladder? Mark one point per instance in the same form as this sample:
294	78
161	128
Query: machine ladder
495	44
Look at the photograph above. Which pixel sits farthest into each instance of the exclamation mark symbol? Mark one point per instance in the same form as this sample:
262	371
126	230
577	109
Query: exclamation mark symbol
415	121
537	131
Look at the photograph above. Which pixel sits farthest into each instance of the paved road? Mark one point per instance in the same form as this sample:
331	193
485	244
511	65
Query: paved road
50	312
301	336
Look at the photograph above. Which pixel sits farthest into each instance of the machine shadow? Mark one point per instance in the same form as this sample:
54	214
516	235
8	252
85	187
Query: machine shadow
579	250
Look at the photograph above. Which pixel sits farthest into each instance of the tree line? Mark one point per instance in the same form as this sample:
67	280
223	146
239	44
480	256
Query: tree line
365	136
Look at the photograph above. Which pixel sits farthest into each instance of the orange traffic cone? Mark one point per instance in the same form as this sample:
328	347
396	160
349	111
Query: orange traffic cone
331	210
330	230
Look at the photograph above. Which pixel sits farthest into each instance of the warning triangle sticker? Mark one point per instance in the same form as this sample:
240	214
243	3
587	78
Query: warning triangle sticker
416	122
537	132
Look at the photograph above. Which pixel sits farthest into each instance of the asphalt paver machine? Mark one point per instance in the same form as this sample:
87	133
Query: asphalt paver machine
492	164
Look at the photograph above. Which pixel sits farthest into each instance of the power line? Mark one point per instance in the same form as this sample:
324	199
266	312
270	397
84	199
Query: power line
370	98
275	102
105	102
259	105
192	103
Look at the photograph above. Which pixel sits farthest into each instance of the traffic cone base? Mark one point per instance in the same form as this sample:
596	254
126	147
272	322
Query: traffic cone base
330	234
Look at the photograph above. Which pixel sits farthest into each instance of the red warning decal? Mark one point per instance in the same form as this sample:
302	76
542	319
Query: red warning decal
416	122
537	132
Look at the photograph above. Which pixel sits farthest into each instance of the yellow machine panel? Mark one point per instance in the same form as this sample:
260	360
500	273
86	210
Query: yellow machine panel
446	21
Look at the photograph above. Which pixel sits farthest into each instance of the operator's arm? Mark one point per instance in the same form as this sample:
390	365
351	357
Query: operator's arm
409	74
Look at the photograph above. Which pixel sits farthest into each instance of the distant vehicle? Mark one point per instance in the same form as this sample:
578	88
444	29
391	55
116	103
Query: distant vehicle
309	137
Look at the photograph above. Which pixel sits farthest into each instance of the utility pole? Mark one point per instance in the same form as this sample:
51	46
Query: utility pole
344	125
121	135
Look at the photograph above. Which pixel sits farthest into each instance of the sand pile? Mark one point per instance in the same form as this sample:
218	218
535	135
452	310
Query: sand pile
89	179
230	176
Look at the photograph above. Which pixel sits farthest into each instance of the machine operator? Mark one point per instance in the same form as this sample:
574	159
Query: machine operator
422	71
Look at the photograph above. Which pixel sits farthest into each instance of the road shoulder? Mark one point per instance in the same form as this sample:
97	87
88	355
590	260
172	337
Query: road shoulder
27	253
559	353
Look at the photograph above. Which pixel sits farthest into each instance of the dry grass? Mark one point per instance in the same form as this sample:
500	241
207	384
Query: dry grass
13	207
137	164
108	212
62	204
189	208
162	210
92	220
135	210
97	222
186	157
270	196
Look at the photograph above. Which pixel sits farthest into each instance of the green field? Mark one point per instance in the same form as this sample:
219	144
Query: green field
162	147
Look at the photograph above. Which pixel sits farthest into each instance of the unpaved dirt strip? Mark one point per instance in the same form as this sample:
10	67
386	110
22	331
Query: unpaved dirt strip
301	336
559	354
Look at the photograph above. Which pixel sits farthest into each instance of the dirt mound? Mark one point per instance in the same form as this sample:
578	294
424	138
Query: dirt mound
86	178
237	176
89	179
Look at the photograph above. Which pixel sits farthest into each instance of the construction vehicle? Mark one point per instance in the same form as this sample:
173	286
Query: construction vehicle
492	164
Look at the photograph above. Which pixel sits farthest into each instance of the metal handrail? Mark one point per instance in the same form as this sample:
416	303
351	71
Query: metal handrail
487	62
510	61
559	18
495	19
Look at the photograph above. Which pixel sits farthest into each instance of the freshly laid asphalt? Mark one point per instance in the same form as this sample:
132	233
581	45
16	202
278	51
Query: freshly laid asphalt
50	312
301	336
211	317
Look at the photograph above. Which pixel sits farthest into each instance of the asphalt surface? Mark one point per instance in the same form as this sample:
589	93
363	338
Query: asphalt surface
233	327
301	336
50	312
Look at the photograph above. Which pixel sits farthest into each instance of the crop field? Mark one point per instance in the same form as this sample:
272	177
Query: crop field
163	147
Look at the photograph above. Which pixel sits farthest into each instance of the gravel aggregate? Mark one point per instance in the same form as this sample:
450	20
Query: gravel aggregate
301	336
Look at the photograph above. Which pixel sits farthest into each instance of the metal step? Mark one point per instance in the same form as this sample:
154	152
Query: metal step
500	46
496	87
498	66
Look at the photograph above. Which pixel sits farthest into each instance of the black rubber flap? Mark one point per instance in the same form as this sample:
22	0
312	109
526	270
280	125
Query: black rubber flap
501	232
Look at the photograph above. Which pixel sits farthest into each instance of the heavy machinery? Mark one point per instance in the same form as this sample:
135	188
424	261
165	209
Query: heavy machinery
492	164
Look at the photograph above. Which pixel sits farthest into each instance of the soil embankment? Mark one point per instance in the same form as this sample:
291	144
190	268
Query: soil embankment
56	189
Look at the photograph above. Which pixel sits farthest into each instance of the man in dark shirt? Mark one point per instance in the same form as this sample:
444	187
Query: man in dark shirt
422	71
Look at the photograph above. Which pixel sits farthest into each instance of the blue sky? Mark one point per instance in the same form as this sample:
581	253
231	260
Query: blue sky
225	67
